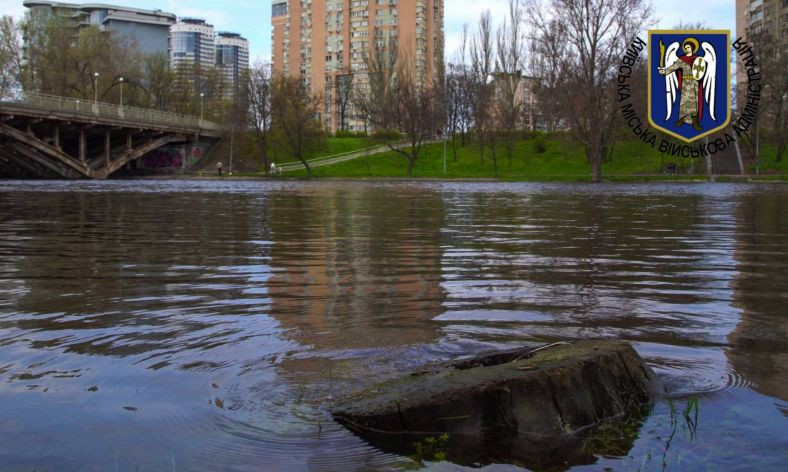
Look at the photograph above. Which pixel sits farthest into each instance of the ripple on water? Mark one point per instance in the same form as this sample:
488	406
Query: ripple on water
227	315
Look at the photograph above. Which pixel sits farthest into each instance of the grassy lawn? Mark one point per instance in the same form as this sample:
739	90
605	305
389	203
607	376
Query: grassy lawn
768	153
330	146
561	160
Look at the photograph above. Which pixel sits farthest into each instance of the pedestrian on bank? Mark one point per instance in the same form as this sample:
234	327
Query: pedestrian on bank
219	168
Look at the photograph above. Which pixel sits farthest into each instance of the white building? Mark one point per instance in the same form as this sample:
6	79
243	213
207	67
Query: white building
232	59
192	43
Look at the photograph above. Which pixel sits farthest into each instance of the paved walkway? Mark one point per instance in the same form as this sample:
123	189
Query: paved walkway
337	158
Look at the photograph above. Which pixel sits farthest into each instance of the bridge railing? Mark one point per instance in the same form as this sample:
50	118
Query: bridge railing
112	111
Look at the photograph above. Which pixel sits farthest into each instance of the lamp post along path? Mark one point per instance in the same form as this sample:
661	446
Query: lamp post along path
202	99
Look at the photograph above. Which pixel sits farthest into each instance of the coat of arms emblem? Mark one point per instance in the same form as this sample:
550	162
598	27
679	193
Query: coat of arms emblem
689	82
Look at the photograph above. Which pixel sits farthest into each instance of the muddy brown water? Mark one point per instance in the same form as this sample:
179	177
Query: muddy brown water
189	325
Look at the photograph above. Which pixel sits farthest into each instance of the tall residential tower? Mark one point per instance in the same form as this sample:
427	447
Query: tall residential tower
325	42
232	59
192	43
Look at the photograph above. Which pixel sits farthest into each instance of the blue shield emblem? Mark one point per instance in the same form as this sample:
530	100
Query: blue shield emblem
689	94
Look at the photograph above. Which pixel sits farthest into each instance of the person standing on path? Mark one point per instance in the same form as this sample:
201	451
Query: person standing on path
219	168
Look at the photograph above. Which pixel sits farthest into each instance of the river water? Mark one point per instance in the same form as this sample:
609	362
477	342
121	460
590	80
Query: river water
209	325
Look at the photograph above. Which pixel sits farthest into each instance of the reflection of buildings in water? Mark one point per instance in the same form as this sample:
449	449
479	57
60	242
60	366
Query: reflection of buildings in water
759	344
585	257
121	273
357	267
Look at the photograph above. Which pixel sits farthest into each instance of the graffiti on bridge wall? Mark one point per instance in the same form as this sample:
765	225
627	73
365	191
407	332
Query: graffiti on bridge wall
172	157
163	158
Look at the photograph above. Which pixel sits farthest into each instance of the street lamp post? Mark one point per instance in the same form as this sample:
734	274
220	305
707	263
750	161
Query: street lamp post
95	87
202	100
121	92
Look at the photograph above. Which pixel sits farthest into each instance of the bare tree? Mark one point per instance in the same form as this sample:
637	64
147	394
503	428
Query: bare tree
466	88
453	100
509	77
581	42
258	91
375	100
343	88
158	82
62	62
481	92
294	117
417	110
10	57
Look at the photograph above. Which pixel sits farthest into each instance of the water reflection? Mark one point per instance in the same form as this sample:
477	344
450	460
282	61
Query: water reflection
758	347
210	324
591	264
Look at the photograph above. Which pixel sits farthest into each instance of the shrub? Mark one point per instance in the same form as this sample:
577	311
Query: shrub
350	134
540	144
387	135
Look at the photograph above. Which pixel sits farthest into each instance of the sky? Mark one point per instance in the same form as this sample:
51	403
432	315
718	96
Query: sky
252	18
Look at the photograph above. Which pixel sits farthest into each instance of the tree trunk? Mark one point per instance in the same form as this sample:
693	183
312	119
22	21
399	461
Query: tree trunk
494	158
306	165
509	149
595	156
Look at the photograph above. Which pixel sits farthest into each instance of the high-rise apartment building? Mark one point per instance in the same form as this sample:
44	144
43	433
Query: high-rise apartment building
148	29
767	20
232	59
326	42
192	44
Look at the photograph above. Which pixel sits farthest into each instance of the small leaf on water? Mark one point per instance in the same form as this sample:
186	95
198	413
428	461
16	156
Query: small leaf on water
219	402
214	385
93	388
130	408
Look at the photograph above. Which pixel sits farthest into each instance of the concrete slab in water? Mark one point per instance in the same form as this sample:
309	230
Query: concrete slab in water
515	398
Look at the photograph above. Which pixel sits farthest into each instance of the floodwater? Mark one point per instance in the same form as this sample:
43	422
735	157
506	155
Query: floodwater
208	326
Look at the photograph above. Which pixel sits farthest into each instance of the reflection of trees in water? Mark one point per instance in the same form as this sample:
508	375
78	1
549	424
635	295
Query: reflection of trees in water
618	257
121	274
759	344
357	266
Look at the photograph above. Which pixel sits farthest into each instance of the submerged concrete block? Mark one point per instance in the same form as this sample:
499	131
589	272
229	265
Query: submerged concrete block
523	399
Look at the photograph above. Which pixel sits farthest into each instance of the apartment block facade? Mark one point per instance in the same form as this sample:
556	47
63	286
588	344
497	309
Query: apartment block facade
326	43
767	19
148	29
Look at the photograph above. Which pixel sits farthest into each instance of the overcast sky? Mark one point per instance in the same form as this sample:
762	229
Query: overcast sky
252	18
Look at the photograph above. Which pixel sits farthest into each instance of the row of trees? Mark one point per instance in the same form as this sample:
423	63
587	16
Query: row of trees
564	52
63	61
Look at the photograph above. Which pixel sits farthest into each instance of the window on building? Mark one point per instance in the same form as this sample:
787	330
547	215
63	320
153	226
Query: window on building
279	9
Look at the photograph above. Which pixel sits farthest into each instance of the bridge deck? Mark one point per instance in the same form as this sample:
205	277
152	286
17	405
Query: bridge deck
99	113
45	136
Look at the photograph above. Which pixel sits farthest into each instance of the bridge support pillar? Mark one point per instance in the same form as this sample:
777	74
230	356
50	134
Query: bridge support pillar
82	146
56	137
129	143
107	146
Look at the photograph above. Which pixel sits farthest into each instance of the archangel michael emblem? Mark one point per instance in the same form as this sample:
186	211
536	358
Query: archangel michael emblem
689	82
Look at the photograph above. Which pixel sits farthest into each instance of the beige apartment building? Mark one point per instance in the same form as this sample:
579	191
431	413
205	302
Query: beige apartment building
767	19
325	42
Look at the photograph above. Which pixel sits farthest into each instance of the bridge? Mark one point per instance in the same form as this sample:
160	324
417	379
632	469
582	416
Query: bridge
48	136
